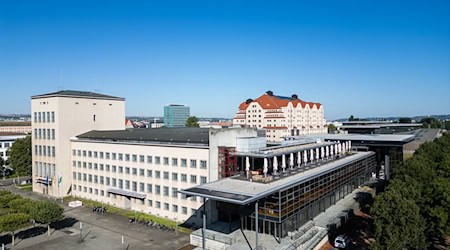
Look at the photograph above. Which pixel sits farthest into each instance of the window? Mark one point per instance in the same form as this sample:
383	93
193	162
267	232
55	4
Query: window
101	155
102	180
149	188
141	172
134	186
95	179
39	116
90	178
134	171
84	177
175	208
193	163
150	203
157	189
107	155
184	210
175	192
183	162
134	158
74	175
84	153
113	169
149	159
174	162
157	160
89	154
193	179
35	117
114	182
127	184
113	156
95	166
202	179
101	167
141	158
166	175
120	157
53	134
166	191
149	173
158	204
183	177
174	176
127	157
203	164
107	168
120	169
166	160
166	206
53	116
120	183
157	174
90	165
95	154
78	152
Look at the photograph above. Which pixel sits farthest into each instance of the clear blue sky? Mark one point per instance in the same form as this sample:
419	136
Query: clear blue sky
366	58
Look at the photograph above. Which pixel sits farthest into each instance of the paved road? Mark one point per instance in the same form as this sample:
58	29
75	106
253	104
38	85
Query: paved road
100	231
8	182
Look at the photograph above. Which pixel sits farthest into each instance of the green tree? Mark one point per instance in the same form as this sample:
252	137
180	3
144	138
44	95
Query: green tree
46	212
20	156
13	222
2	169
331	128
398	224
21	205
6	198
192	121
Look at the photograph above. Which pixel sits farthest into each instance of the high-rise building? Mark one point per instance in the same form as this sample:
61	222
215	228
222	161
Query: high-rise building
175	115
59	116
281	116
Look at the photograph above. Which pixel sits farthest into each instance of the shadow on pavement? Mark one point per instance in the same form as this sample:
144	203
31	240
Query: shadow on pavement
64	223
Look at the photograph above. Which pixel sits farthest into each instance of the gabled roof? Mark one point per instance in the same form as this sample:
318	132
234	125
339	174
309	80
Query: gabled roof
78	94
270	101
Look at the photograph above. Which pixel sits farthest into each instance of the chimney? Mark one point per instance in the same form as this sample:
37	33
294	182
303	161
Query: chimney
248	101
270	93
294	97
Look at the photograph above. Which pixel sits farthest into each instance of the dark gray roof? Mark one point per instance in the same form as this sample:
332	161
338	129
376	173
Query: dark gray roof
156	135
78	94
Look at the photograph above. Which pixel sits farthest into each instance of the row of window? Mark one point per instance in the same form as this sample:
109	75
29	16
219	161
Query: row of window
5	145
44	116
43	169
135	158
45	150
100	179
150	203
44	134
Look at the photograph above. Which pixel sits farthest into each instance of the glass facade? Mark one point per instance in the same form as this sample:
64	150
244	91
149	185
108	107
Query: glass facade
176	115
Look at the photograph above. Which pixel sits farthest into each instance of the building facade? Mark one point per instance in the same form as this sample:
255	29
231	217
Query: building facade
175	115
143	169
15	127
281	116
56	117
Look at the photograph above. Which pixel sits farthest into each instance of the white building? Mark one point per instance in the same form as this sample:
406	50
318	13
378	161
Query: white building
81	137
56	117
281	116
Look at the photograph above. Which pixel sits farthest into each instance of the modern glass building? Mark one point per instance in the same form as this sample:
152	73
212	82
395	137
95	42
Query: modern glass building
175	115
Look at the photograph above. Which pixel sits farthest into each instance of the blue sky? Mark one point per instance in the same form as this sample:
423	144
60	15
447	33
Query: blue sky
366	58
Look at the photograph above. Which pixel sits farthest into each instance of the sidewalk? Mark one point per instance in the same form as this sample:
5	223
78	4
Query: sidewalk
105	231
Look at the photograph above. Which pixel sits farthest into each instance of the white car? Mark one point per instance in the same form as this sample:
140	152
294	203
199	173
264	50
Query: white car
342	241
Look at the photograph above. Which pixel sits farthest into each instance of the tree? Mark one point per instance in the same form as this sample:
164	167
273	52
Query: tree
398	224
405	120
352	118
46	212
13	222
331	128
2	162
192	121
20	156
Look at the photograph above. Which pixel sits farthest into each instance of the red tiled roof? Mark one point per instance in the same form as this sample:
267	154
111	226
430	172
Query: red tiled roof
274	102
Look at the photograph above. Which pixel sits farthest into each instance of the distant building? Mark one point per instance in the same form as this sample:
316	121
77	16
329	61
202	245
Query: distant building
175	115
16	127
6	141
281	116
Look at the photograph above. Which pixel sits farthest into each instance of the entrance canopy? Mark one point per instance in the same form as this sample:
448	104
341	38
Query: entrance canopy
126	193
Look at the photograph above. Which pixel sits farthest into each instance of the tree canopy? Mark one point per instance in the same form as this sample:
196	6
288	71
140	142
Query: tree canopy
20	156
192	121
415	207
331	128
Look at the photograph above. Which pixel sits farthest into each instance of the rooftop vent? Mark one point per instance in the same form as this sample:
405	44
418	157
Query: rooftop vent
270	93
294	97
248	101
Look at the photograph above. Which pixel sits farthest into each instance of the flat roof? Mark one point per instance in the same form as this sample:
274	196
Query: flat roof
126	193
268	152
375	126
400	138
78	94
156	135
243	192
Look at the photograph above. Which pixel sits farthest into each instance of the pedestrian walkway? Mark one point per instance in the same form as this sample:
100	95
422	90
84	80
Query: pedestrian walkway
100	231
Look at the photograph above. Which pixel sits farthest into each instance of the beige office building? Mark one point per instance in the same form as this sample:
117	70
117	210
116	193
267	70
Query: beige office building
56	117
281	116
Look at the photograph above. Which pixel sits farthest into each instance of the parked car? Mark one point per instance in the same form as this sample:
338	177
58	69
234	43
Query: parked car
342	241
